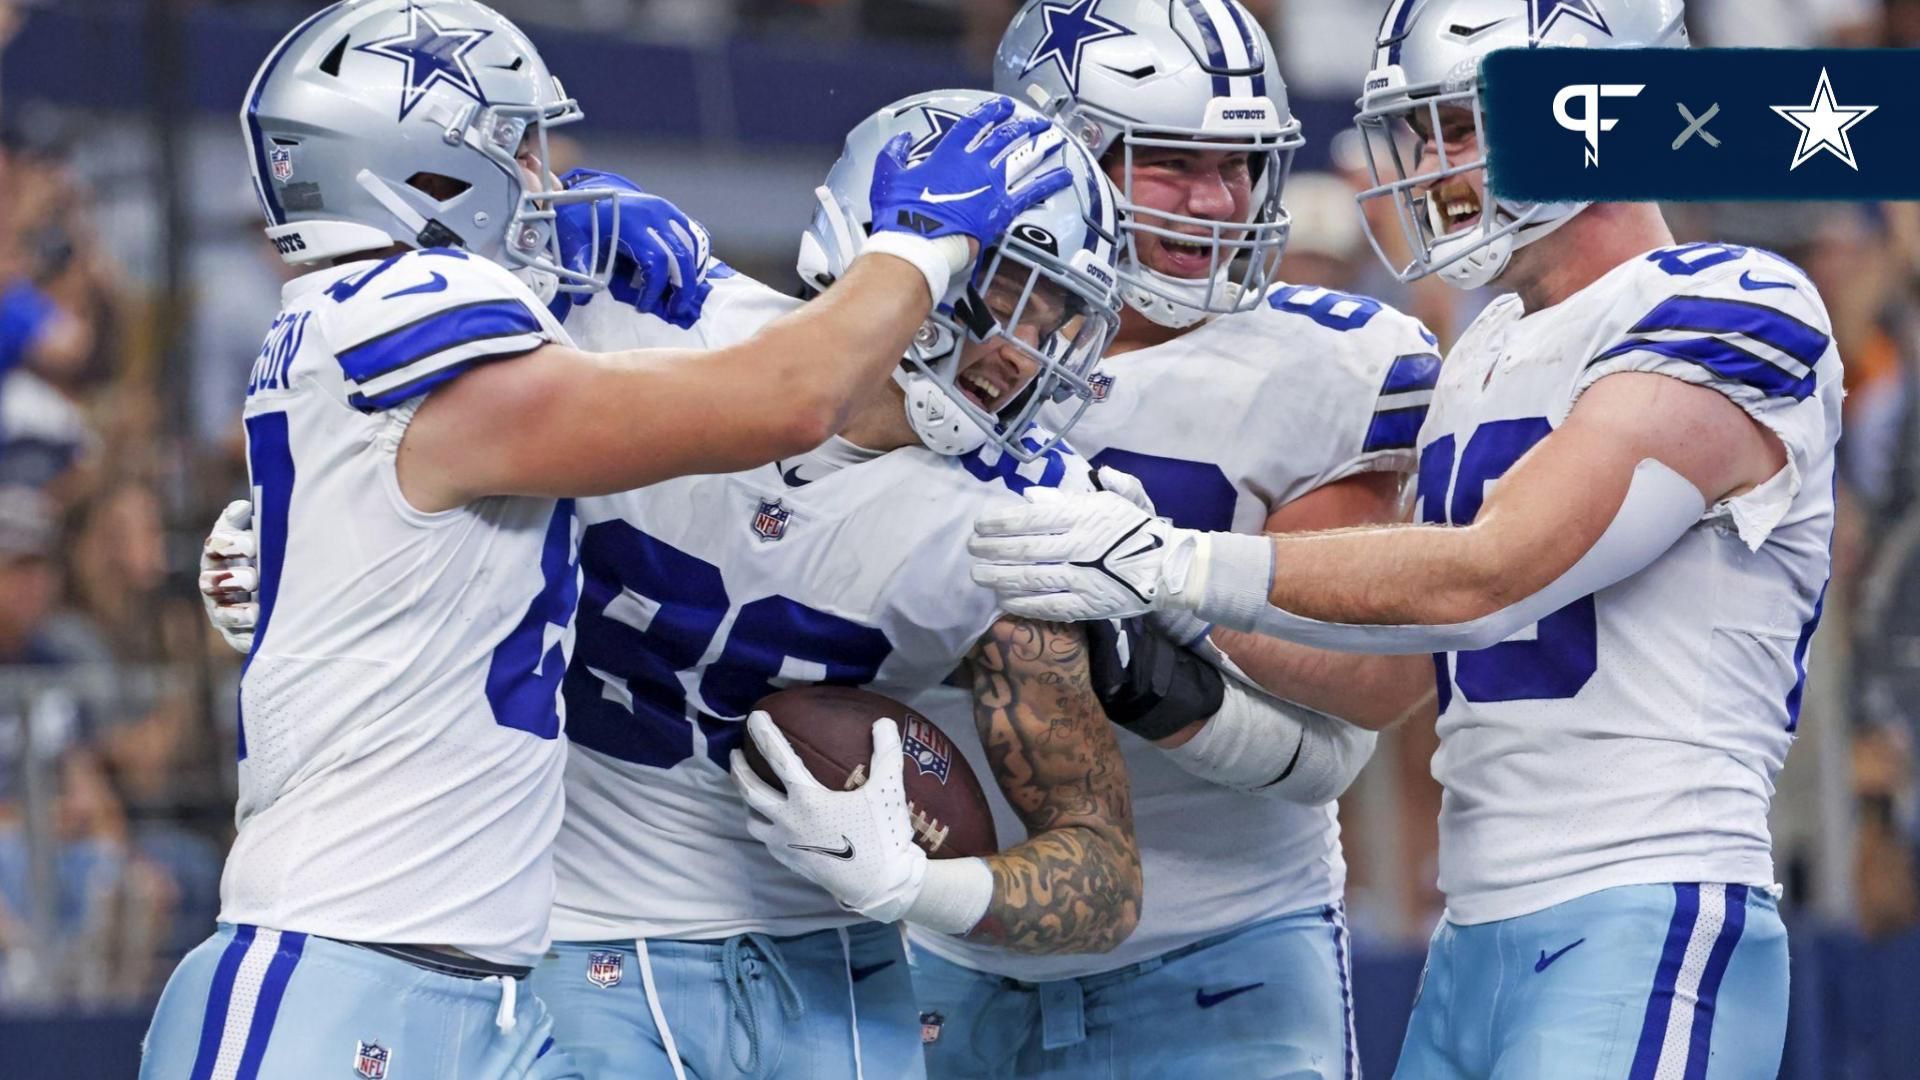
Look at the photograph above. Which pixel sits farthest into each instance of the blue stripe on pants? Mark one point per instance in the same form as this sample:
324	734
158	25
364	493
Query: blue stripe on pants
1701	1041
219	997
272	988
1653	1030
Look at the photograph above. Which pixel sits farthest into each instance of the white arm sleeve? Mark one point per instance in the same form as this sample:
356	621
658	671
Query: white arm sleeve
1262	745
1237	576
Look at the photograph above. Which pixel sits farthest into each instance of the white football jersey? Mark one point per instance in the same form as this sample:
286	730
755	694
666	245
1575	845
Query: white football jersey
1224	424
400	758
1633	736
704	594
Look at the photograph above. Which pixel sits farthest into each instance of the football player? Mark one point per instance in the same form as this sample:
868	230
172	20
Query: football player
1240	403
1625	491
416	422
845	564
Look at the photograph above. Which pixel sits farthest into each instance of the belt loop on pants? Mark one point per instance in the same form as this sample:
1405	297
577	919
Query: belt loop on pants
1063	1014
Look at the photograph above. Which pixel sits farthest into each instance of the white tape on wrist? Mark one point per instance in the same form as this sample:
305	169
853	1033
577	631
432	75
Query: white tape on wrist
938	260
954	896
1661	505
1259	744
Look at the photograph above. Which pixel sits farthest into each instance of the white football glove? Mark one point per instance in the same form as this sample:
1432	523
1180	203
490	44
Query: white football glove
857	845
1073	557
1173	623
228	576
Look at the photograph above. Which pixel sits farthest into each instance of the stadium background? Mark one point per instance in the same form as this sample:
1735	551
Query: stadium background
135	285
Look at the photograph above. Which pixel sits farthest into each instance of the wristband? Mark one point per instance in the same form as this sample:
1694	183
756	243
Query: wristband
954	896
939	260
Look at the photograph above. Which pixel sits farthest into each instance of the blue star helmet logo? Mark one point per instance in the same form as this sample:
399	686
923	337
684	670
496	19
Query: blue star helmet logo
1542	14
1071	27
432	54
940	120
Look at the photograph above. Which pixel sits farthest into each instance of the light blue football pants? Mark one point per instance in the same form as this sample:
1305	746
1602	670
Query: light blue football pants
1271	1000
830	1005
1643	982
251	1003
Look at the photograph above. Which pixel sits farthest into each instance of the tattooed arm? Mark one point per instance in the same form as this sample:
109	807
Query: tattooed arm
1074	885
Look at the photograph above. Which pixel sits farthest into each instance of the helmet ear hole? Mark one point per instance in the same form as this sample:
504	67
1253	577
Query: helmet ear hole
437	187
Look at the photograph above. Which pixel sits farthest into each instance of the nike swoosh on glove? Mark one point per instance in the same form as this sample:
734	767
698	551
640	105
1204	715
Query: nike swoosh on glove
228	576
1175	624
980	176
1073	557
857	845
662	259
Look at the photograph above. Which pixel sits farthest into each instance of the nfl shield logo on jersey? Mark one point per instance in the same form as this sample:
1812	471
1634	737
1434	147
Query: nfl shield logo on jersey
930	750
282	159
770	521
605	968
370	1060
930	1025
1101	384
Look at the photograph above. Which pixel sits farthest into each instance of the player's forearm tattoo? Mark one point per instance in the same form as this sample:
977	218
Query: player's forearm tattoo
1074	884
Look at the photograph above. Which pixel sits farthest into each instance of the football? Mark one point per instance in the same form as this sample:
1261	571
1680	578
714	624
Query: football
831	729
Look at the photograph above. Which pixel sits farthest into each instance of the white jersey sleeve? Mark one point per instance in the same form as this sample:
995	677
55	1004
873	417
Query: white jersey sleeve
415	320
1747	324
1378	367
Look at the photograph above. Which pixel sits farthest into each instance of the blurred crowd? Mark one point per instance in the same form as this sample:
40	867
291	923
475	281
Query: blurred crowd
116	703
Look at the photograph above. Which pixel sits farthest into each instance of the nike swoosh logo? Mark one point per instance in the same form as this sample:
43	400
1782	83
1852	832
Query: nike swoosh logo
1142	551
792	476
1545	960
862	972
1754	284
1474	31
438	284
927	195
842	853
1208	1001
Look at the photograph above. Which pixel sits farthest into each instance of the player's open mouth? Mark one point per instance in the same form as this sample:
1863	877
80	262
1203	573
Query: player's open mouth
1452	207
982	389
1186	258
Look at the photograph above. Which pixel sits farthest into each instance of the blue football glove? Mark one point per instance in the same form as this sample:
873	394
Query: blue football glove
981	175
663	259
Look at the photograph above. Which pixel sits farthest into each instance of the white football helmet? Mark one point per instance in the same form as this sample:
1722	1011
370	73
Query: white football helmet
1428	57
1052	272
381	122
1187	74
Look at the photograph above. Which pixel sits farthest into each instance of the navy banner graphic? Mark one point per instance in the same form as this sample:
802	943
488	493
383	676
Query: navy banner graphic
1591	125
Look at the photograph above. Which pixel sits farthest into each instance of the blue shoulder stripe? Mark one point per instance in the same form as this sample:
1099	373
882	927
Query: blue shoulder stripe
1395	429
1417	372
449	328
1709	315
1726	360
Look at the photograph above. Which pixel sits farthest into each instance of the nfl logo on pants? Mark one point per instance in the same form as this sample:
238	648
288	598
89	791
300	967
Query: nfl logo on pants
370	1061
604	969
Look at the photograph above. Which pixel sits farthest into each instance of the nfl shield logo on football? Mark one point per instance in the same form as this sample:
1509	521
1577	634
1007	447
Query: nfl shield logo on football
770	521
1101	384
923	743
605	968
370	1060
282	159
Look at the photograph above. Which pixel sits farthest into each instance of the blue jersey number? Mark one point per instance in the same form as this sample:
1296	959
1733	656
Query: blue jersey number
1565	651
523	680
1192	494
1333	310
270	469
648	617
